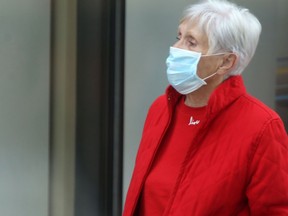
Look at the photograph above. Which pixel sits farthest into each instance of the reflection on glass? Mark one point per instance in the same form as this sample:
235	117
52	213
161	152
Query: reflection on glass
282	89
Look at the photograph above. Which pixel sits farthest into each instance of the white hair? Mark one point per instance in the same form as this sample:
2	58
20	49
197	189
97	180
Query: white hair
229	28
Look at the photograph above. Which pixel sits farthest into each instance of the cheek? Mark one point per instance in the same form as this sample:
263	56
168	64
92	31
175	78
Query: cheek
206	67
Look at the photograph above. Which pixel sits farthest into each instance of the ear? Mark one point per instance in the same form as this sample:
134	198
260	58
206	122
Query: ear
229	62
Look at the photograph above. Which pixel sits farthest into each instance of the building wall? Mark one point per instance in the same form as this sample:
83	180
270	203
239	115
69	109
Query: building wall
24	107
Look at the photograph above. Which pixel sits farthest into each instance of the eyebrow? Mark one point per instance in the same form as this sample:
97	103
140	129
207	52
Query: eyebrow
192	37
188	33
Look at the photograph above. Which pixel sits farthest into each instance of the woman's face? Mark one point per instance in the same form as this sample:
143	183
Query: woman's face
191	37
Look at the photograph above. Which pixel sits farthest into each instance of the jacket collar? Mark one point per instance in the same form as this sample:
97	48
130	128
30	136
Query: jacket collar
225	94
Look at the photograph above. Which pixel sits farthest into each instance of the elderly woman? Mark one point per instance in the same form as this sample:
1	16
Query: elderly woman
208	147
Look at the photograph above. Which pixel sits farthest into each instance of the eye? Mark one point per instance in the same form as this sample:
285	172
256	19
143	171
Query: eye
178	37
192	42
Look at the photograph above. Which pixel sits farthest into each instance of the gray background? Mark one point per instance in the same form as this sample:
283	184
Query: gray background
24	107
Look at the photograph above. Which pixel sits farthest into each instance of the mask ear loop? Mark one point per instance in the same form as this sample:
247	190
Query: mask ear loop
212	55
216	54
209	76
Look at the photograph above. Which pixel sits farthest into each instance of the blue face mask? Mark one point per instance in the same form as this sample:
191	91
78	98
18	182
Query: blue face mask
182	70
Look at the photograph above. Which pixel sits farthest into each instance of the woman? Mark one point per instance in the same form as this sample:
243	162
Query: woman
208	147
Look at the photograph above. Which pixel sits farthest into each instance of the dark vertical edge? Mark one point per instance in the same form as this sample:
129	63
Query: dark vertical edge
91	118
51	92
99	107
119	105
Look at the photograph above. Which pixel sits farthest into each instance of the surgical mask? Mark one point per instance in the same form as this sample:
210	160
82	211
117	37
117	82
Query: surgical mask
182	70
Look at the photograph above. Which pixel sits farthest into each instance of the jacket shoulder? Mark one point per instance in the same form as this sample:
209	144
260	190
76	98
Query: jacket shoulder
159	102
157	109
258	109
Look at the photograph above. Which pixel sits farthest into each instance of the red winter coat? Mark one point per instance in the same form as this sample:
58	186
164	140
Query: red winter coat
236	165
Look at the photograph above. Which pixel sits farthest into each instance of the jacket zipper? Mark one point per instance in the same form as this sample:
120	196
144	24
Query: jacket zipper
154	154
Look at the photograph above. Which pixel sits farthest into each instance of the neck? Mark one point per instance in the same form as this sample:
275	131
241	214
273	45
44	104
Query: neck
195	99
200	97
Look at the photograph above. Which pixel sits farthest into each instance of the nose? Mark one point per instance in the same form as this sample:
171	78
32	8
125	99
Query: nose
178	44
181	44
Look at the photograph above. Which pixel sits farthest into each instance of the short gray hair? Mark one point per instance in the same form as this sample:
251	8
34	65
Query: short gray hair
229	28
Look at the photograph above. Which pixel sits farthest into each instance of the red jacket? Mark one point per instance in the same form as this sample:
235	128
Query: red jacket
236	165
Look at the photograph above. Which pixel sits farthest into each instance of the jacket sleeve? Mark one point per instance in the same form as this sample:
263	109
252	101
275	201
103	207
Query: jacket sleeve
267	191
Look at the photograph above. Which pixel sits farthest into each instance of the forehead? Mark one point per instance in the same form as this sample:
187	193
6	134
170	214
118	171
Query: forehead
191	28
